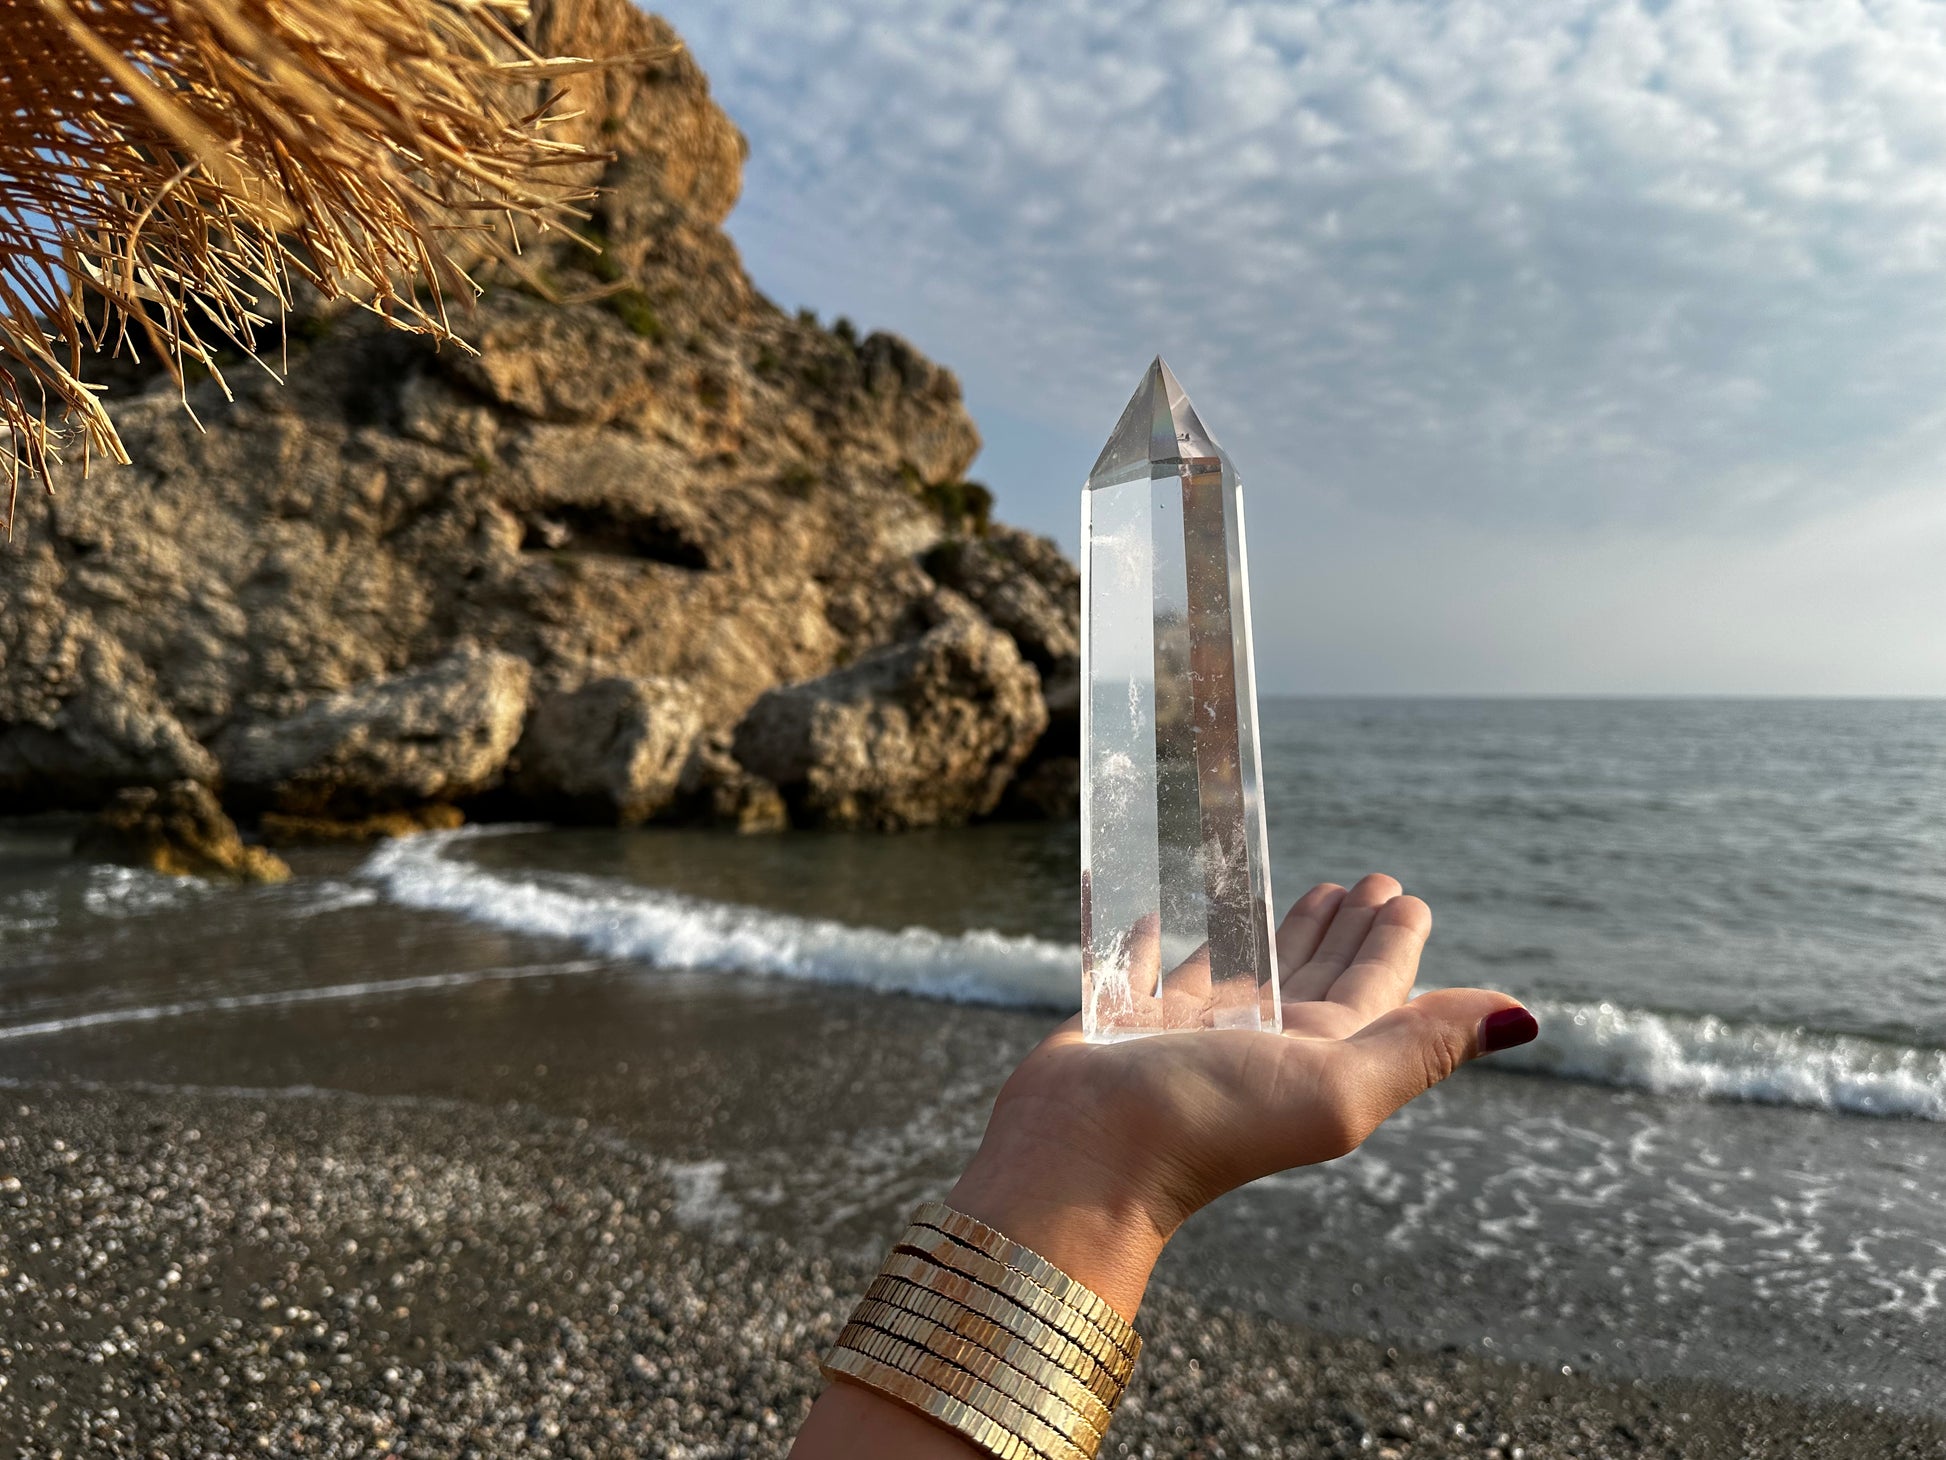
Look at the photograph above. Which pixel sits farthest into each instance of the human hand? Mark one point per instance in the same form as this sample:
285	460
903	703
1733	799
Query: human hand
1096	1153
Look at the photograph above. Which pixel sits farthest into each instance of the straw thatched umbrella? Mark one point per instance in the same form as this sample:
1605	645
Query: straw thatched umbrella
170	168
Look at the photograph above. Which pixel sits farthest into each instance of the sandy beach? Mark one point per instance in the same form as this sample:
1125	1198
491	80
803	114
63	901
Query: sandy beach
389	1253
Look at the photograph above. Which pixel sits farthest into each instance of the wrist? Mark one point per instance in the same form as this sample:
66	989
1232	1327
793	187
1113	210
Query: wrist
1103	1231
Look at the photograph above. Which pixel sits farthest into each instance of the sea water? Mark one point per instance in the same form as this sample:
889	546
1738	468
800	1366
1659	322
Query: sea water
1726	1156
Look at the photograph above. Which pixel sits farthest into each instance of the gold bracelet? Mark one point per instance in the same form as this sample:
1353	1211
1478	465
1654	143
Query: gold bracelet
917	1394
1031	1265
1025	1376
961	1288
951	1379
997	1329
990	1339
943	1251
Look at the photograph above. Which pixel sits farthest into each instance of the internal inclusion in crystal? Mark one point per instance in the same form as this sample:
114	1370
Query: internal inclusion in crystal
1175	867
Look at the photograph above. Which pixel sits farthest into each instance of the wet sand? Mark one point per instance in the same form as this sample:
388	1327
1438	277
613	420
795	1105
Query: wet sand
598	1217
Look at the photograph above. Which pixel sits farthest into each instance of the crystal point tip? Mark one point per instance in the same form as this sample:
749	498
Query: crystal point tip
1159	424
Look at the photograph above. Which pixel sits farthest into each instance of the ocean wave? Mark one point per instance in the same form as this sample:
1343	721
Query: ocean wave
1602	1043
117	892
129	892
669	930
1703	1055
330	896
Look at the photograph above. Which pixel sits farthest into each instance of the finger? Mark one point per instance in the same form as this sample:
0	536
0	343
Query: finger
1186	989
1408	1051
1141	954
1303	927
1343	938
1381	976
1120	984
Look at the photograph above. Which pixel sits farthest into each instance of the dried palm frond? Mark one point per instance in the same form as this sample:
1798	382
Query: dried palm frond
177	164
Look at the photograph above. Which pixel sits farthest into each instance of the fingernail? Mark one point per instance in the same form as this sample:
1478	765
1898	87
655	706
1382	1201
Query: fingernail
1505	1028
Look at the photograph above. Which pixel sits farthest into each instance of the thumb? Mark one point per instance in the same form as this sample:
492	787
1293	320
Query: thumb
1408	1051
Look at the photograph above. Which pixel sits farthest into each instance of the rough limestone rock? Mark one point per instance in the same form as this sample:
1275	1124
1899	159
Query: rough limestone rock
435	735
613	750
178	830
1025	586
648	473
917	734
283	829
716	788
80	715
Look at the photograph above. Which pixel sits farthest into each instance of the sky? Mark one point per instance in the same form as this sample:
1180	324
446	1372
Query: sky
1563	346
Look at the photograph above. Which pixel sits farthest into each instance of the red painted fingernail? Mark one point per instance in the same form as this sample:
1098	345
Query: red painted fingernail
1505	1028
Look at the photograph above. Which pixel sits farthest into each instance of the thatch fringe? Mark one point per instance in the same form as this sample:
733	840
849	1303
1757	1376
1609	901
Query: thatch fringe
176	164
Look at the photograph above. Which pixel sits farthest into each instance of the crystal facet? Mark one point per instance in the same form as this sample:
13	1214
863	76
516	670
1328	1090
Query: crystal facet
1175	867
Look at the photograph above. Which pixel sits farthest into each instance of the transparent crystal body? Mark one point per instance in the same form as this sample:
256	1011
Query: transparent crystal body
1175	866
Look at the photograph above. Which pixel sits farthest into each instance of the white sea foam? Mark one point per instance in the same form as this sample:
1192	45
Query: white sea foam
702	1204
673	931
288	998
331	896
128	892
28	911
1687	1054
1605	1043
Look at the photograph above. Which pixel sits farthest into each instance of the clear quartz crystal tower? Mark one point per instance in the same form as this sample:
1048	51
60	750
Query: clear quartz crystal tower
1175	867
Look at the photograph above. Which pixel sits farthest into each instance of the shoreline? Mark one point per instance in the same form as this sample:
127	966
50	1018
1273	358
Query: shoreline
336	1274
372	1069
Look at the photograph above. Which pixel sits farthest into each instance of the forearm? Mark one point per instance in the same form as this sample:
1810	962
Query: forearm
1096	1153
1106	1240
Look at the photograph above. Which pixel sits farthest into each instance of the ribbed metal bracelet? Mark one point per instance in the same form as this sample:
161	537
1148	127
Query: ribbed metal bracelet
1001	1331
1031	1265
918	1259
949	1378
990	1339
1024	1374
935	1404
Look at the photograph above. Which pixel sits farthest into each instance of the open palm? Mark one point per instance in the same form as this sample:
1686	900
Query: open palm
1166	1123
1096	1153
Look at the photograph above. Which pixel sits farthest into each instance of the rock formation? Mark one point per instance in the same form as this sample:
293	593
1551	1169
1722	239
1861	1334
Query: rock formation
433	735
179	830
612	750
917	732
659	549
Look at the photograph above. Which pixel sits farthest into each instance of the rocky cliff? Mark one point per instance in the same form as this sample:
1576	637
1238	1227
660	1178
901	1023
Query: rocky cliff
658	550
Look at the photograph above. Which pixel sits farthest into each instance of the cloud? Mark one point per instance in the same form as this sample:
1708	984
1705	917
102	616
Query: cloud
1644	268
1587	261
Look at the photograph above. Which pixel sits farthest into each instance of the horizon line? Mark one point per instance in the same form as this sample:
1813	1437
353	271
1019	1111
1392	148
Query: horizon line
1869	696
